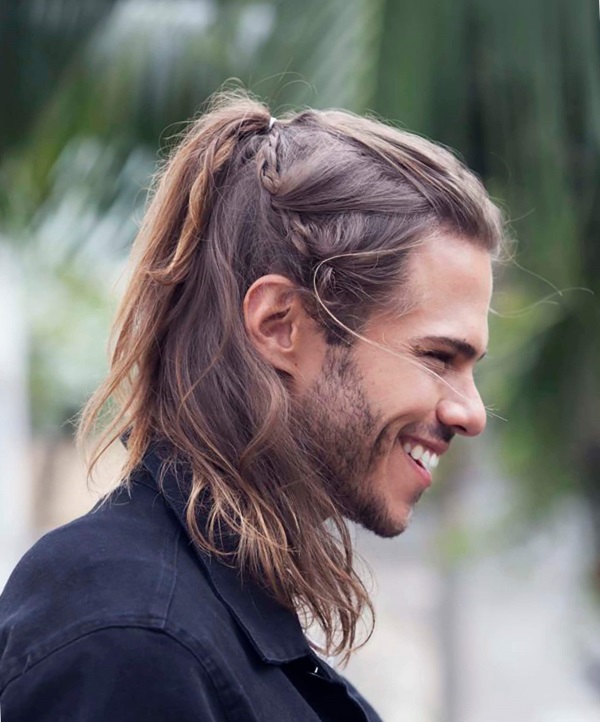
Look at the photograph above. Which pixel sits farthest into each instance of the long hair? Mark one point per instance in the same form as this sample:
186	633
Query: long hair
334	202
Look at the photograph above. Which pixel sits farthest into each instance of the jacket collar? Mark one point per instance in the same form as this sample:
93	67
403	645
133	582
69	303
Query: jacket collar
274	631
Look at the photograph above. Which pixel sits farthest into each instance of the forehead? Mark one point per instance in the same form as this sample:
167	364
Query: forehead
449	288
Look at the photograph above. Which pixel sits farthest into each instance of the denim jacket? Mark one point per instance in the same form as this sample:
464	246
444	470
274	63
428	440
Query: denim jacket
118	617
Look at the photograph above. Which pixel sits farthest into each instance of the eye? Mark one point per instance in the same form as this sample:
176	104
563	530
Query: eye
444	357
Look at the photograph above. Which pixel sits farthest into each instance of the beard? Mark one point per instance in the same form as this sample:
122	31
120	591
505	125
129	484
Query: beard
338	430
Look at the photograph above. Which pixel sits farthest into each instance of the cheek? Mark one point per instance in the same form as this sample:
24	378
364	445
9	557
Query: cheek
411	393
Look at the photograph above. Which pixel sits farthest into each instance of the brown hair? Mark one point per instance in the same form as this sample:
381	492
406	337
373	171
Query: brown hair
330	200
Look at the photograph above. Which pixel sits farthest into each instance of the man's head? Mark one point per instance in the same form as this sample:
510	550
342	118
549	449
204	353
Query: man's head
307	303
400	391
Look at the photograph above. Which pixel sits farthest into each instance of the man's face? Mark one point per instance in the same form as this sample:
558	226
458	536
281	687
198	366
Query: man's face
406	389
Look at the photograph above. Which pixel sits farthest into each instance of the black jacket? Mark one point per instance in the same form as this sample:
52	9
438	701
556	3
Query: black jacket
117	617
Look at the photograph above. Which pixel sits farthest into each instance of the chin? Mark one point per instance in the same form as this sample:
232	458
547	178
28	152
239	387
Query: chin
384	516
391	529
383	522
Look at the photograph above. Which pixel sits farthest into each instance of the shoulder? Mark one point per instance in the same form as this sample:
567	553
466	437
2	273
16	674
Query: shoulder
119	566
122	672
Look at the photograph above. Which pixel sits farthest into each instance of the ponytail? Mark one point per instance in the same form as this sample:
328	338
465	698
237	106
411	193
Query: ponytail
189	184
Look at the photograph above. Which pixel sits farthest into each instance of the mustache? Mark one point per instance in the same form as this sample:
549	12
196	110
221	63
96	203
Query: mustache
439	432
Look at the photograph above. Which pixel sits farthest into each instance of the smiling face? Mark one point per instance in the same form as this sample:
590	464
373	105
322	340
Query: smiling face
402	392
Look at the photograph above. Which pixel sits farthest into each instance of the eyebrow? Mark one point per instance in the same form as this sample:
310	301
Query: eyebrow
458	345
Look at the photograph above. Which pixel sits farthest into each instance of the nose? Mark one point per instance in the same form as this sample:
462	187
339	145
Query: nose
463	411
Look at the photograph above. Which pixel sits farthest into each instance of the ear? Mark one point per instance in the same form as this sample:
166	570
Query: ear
280	328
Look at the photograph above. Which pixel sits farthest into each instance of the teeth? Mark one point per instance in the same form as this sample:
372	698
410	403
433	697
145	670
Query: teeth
417	452
428	458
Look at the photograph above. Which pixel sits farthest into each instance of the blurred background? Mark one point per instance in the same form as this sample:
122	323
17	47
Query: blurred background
489	605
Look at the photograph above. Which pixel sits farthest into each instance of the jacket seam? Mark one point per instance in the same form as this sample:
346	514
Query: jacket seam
174	560
202	662
145	627
31	659
116	625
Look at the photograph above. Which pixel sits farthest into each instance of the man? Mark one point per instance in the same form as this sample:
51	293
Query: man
295	348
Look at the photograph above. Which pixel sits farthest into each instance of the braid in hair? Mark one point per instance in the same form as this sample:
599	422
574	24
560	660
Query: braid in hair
318	274
266	158
269	175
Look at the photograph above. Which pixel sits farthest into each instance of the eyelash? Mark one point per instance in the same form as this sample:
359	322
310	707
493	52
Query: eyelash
442	356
